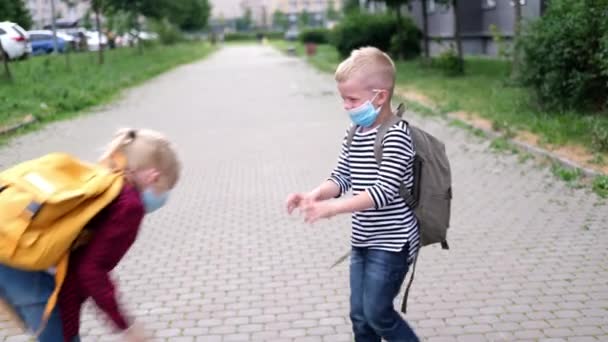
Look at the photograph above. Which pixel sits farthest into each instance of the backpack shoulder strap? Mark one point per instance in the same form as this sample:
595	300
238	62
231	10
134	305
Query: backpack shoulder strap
350	136
383	129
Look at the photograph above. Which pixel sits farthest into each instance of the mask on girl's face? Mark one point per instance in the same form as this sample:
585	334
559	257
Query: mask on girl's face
153	201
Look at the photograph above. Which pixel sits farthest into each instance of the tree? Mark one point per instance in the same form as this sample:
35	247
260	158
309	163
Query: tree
280	20
133	9
189	15
351	6
395	6
86	20
16	11
304	18
4	56
457	32
244	23
71	4
331	13
565	56
97	6
425	29
516	63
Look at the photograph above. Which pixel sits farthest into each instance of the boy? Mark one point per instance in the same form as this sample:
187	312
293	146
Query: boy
385	235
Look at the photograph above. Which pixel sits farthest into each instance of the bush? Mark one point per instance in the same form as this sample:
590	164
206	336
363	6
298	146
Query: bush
362	29
565	55
449	62
599	137
317	35
274	35
246	36
239	36
406	44
168	33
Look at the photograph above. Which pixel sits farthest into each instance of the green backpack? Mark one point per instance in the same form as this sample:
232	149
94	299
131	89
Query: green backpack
431	195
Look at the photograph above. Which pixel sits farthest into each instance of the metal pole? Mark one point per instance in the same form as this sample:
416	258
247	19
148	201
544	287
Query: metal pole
54	27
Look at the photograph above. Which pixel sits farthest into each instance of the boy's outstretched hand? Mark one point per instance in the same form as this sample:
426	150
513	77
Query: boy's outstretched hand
296	200
315	210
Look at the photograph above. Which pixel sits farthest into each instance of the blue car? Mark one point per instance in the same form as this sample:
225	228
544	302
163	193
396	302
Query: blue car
42	42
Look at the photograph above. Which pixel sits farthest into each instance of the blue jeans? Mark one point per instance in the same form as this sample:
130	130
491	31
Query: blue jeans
375	280
27	292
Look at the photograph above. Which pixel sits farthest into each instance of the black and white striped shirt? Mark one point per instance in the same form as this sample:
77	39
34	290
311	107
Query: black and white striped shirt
391	223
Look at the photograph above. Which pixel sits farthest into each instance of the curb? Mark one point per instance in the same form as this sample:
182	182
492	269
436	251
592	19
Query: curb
24	122
533	149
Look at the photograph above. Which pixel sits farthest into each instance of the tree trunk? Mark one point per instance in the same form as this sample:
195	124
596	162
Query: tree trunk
54	27
543	6
99	35
457	36
400	31
425	29
67	52
516	62
4	56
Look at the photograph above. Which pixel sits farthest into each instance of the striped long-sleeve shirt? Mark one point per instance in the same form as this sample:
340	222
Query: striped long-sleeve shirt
391	223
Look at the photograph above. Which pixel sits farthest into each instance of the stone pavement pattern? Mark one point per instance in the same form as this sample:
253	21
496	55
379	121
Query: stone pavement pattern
223	262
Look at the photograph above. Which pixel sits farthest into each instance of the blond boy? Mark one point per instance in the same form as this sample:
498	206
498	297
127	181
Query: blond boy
384	229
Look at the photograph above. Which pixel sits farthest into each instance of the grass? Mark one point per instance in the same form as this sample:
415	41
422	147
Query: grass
503	145
46	88
600	186
483	90
568	175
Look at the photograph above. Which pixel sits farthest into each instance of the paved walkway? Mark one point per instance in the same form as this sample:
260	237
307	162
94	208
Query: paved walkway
223	262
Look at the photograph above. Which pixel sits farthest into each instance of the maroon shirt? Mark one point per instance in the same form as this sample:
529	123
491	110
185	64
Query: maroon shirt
114	231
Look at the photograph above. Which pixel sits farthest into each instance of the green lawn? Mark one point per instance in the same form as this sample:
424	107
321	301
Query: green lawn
483	91
46	88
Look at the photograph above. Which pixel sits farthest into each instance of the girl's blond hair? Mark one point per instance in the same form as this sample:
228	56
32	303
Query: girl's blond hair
141	149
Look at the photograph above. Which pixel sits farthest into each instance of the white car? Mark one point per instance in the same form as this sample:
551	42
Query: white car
15	40
93	40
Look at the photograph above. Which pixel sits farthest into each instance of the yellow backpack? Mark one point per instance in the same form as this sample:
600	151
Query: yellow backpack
44	205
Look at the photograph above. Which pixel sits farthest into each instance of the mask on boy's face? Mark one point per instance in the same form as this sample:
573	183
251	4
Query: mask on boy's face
153	201
365	115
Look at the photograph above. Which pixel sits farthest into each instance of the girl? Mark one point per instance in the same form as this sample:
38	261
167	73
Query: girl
152	170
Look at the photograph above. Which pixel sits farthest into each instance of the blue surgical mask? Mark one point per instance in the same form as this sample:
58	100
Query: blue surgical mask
153	201
365	115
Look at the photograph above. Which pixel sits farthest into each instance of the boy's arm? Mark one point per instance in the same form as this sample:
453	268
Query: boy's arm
328	189
398	152
397	157
339	182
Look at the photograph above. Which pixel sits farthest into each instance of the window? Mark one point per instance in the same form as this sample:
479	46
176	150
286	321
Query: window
2	32
431	6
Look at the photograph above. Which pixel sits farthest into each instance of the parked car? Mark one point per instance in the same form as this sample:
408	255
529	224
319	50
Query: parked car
77	38
15	40
93	40
42	42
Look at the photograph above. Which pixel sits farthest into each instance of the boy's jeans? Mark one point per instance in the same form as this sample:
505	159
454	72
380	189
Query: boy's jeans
375	280
27	293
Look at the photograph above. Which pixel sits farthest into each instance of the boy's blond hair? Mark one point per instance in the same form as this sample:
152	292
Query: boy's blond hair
371	65
143	149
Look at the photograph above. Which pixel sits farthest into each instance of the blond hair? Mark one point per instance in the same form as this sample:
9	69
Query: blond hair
144	148
373	66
